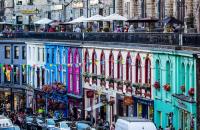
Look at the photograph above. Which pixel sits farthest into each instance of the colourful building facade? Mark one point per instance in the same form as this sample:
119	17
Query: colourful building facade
63	65
174	89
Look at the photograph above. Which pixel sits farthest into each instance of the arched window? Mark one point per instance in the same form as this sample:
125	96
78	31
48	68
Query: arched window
157	71
119	66
147	71
70	74
138	67
168	73
77	72
111	65
128	67
94	65
143	8
187	85
182	74
64	57
102	63
87	62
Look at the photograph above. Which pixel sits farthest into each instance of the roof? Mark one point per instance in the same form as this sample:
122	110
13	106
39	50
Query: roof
134	119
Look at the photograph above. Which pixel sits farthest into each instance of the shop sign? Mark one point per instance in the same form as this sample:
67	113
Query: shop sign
128	100
28	11
56	7
182	105
90	94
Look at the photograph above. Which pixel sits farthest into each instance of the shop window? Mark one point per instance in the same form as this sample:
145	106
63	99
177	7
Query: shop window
16	74
19	19
53	77
7	73
7	52
148	71
111	65
33	78
192	80
94	62
128	67
119	67
58	74
77	71
49	77
139	110
24	52
87	62
102	63
29	53
138	70
181	10
24	74
70	75
151	113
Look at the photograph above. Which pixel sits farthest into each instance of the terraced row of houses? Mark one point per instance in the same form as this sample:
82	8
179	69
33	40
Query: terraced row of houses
109	80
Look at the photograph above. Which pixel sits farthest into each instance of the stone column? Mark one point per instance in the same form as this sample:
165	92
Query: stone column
119	7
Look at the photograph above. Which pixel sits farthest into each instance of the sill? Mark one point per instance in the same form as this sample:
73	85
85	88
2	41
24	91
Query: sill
157	97
168	100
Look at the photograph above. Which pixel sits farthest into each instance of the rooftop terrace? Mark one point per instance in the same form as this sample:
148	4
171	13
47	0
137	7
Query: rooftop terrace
175	39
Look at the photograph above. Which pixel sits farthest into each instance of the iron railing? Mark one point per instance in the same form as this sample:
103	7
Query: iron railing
140	38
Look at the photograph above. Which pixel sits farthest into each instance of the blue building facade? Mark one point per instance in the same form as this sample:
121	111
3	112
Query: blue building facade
63	65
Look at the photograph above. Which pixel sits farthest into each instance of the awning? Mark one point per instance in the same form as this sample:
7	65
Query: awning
171	20
143	20
95	106
44	21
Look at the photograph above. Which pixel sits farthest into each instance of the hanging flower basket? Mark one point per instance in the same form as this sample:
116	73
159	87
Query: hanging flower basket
136	85
87	79
183	88
138	92
191	92
86	75
94	81
120	87
146	85
129	89
110	79
103	83
156	85
101	77
111	85
127	82
166	87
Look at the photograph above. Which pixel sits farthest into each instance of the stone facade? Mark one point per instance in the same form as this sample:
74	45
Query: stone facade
185	10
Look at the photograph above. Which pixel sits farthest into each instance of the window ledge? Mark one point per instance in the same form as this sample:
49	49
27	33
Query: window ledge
168	100
157	97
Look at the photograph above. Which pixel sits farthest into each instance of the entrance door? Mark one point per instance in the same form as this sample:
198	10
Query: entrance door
144	111
184	118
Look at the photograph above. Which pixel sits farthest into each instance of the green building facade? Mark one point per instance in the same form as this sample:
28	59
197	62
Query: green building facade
174	89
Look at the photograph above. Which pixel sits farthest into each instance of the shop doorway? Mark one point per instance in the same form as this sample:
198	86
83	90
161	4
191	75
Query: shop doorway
120	107
184	119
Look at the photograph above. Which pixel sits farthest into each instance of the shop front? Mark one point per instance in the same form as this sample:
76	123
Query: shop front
184	112
143	108
124	105
12	99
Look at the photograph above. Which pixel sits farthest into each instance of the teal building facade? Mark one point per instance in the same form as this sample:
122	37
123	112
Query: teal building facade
174	89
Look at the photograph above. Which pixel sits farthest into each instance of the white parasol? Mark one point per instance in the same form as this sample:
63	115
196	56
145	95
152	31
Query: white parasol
78	20
115	17
44	21
95	18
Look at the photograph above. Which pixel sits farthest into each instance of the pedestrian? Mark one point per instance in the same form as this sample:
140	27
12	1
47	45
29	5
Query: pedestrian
131	29
126	28
112	127
77	29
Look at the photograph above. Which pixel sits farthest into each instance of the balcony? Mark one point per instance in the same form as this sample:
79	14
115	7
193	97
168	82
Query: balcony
168	39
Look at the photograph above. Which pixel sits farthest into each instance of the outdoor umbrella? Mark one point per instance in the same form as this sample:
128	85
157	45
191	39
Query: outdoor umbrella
115	17
171	20
44	21
95	18
78	20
